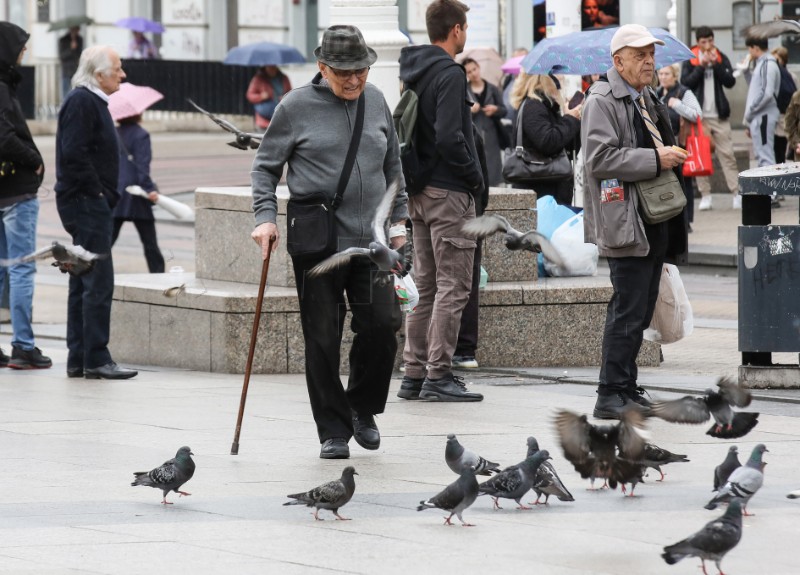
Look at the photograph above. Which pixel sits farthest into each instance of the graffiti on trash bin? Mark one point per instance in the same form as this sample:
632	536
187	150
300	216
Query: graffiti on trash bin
768	274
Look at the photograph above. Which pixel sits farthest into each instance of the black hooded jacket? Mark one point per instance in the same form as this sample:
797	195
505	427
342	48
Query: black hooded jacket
16	142
444	137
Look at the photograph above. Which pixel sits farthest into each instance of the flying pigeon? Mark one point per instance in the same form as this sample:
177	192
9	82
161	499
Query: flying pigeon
547	481
73	260
515	481
712	542
456	497
331	495
458	457
729	424
772	29
243	141
744	482
532	241
724	469
613	452
388	260
794	494
170	476
655	457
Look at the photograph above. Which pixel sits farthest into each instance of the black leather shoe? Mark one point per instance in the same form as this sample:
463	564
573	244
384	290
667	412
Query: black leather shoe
410	387
74	372
447	388
612	405
637	395
334	448
109	371
365	431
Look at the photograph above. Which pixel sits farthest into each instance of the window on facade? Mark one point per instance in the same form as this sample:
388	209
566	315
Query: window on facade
742	18
42	10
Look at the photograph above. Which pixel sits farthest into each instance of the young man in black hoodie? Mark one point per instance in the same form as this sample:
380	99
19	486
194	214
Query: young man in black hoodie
443	257
20	175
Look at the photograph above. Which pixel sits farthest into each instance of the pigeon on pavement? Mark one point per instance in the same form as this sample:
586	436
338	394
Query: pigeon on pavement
170	476
457	457
613	452
243	141
74	260
655	457
712	542
388	260
515	481
724	469
547	481
744	482
456	497
729	424
331	495
532	241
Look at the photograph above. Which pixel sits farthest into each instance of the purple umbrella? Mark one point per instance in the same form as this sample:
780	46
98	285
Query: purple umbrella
589	52
140	25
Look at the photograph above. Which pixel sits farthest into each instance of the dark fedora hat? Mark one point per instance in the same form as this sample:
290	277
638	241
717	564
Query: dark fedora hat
343	47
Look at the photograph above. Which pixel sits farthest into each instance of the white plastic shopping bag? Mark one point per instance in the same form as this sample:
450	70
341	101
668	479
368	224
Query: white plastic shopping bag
672	319
407	293
580	259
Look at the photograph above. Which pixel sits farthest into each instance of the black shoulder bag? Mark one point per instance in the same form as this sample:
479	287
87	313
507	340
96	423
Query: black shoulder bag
311	221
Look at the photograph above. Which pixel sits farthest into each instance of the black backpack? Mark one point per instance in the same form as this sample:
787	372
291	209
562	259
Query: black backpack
786	90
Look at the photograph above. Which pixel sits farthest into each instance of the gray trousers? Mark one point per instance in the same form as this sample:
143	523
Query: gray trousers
762	133
443	260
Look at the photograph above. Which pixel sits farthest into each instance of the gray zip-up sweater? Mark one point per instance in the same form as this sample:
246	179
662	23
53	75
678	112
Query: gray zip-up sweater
311	130
765	80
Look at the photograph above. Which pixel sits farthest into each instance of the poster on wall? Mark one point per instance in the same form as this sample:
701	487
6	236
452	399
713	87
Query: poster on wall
599	13
184	43
183	12
261	13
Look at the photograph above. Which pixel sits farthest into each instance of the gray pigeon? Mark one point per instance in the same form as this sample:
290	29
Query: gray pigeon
547	481
456	497
74	260
515	481
712	542
532	241
331	495
243	141
613	452
794	494
655	456
388	260
729	424
724	469
170	476
744	482
457	457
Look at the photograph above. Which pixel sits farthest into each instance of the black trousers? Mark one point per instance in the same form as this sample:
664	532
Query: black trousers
147	234
635	281
88	220
376	319
468	331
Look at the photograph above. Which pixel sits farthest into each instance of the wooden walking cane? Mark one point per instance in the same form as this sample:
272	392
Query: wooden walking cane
253	337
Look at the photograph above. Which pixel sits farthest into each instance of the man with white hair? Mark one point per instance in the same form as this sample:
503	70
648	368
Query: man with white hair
626	137
87	165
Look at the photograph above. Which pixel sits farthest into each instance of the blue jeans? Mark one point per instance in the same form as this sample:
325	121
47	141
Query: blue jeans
18	238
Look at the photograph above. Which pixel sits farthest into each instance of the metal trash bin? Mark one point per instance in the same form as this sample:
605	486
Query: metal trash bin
769	279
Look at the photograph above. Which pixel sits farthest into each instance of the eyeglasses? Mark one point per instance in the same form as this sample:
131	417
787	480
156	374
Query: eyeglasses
345	74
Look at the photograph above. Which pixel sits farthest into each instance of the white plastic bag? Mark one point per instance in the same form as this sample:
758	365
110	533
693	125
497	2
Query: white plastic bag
580	259
672	319
407	293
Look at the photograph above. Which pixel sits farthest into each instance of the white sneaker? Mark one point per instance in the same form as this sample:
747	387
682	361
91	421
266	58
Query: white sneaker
705	203
737	202
464	362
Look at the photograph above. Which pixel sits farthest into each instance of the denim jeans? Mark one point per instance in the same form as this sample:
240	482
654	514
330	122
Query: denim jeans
18	238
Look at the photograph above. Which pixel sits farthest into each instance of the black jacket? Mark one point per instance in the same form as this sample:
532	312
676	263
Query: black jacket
693	77
444	137
16	142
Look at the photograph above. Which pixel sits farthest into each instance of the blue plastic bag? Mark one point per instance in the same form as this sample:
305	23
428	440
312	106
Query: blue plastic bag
549	216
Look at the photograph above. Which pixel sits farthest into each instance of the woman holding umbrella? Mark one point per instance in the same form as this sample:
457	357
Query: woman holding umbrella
266	89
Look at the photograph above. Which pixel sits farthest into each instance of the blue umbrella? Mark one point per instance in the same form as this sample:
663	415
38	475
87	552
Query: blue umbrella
140	25
264	54
588	52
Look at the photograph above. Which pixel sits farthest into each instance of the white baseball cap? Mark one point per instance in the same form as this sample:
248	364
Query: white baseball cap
633	35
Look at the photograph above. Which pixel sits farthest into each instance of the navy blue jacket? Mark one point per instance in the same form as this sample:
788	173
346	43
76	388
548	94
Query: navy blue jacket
134	169
87	154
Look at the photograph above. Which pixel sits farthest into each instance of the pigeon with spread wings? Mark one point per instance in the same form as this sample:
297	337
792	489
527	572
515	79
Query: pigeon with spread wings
531	241
243	141
73	260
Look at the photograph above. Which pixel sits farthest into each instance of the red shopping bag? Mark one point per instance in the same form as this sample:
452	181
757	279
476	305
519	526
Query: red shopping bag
699	147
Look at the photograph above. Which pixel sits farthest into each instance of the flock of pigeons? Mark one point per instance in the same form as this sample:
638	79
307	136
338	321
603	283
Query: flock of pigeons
617	453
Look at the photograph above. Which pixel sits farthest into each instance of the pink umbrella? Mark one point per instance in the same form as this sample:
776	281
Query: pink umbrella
512	65
132	100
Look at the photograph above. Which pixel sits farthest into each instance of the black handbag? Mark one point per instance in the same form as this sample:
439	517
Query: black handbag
521	165
311	221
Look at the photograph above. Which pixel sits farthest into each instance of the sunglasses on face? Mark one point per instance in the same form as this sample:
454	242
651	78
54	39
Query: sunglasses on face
345	74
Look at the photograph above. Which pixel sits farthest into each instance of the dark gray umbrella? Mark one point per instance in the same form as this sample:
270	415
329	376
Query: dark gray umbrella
69	22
